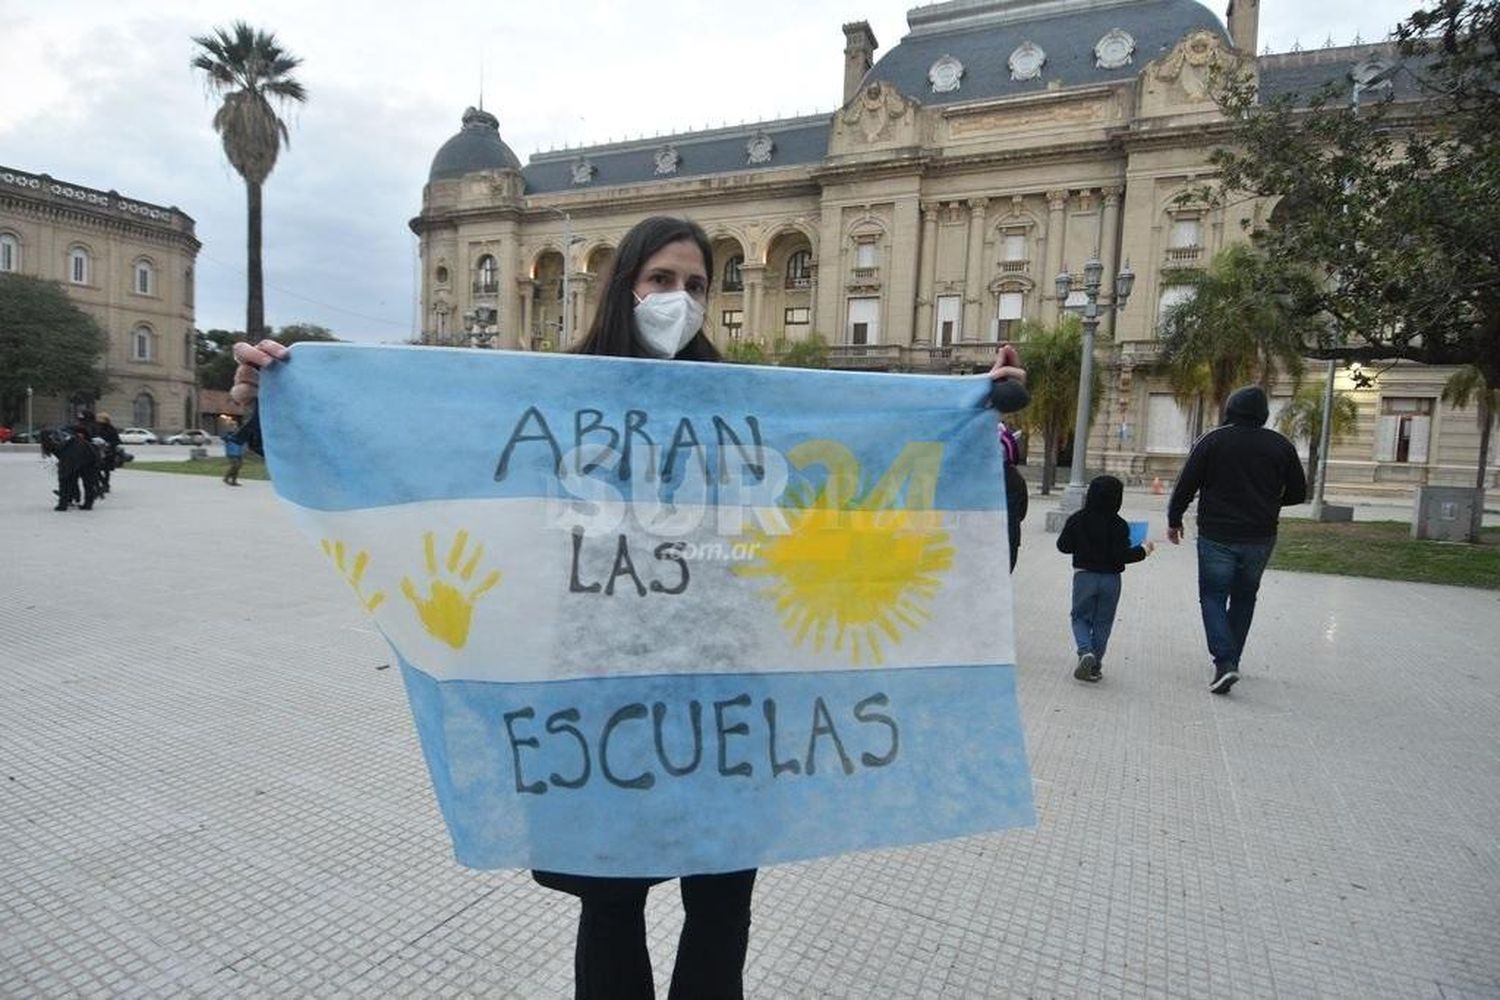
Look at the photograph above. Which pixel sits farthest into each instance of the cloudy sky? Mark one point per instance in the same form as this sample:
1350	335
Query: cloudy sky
99	93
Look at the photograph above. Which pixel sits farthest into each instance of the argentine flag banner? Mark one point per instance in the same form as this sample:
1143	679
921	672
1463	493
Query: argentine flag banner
658	618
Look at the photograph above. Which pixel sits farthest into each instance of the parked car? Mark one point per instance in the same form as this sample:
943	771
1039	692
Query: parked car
138	435
6	434
197	438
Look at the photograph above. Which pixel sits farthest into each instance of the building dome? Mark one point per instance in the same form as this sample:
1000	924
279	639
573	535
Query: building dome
477	146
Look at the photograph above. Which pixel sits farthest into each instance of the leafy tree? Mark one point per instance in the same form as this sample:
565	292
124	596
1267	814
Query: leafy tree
46	343
1302	420
295	333
1395	200
215	349
806	352
250	70
216	363
745	352
1244	322
1053	356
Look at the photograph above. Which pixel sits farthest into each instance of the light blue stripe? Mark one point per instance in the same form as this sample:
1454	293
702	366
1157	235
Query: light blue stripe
350	426
958	767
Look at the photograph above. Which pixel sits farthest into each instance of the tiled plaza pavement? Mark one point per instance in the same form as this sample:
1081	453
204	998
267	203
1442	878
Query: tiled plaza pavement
209	786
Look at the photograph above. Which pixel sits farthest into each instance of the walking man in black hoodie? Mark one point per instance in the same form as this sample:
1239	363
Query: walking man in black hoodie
1243	475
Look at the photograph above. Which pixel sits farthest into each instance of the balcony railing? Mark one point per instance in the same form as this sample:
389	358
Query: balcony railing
1184	255
483	287
803	280
1015	266
877	356
866	274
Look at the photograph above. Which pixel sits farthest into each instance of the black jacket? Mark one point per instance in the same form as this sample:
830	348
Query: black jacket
1242	473
1097	535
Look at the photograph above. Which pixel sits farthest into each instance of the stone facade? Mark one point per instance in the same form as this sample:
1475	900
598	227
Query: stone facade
1001	142
127	263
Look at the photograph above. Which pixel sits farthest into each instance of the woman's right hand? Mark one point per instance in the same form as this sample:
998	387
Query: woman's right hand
252	358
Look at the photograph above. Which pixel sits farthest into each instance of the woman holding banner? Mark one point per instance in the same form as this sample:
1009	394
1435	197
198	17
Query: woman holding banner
652	306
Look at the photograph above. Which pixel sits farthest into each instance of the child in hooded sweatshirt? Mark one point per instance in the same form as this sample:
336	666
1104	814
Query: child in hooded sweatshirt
1099	540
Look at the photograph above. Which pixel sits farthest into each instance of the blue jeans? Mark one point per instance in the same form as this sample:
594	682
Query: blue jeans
1228	578
1095	598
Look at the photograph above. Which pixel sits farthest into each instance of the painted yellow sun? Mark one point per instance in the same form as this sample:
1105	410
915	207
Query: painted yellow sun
855	570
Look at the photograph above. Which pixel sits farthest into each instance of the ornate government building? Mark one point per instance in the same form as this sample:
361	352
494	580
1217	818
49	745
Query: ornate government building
127	263
999	143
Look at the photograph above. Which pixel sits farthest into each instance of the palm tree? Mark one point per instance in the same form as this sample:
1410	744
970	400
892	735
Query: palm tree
1246	320
1053	356
1193	385
1465	386
250	70
1302	419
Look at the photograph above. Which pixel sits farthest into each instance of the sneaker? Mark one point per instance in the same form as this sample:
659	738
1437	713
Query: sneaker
1224	677
1087	669
1097	674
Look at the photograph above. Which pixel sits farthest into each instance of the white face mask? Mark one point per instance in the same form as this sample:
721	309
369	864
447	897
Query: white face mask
666	321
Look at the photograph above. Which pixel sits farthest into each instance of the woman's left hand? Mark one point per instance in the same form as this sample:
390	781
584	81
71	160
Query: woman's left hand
1007	364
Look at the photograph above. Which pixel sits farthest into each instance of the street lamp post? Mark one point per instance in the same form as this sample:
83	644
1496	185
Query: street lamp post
567	306
30	431
1093	277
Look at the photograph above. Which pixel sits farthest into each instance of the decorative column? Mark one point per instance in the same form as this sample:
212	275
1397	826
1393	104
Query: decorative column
753	275
575	309
974	273
1057	203
507	335
927	274
899	278
584	289
1109	243
832	274
526	288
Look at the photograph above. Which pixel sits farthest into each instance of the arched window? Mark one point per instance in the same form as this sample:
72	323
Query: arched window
145	278
799	269
79	266
143	410
142	347
10	253
734	280
488	279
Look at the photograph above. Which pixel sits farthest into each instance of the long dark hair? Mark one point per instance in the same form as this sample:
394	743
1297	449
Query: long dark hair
613	330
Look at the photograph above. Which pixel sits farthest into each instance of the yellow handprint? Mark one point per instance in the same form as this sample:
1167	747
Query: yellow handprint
353	574
446	612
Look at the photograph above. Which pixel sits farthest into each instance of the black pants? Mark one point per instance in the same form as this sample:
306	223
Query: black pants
611	962
68	484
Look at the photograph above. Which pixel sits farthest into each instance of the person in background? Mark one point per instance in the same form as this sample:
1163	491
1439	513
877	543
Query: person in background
1007	395
104	430
77	464
1243	474
234	450
1098	538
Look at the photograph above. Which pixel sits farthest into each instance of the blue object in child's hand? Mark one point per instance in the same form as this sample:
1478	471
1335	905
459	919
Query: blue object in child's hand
1138	530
